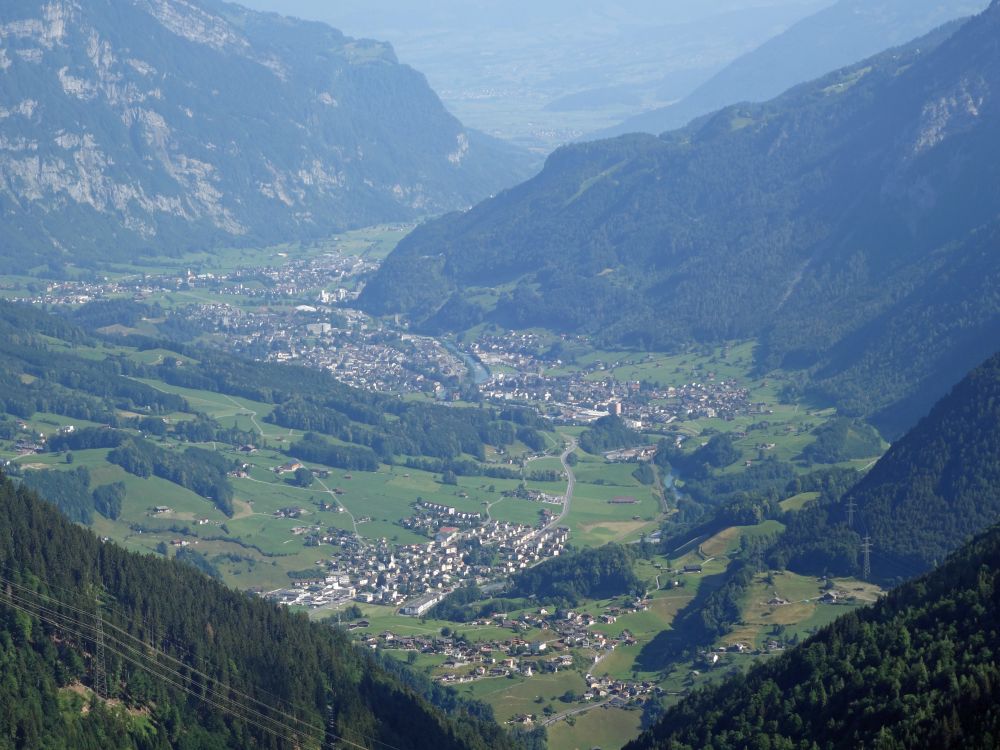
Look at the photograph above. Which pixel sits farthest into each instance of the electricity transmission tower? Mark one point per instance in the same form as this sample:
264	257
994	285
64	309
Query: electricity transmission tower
100	666
866	548
850	513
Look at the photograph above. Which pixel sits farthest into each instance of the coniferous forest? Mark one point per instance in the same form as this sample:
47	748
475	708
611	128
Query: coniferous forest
185	662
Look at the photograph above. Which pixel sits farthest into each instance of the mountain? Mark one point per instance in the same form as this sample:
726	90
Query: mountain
517	69
933	489
850	212
837	36
158	126
916	670
187	662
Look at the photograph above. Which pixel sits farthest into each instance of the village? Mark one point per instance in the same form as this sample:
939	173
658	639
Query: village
574	399
580	394
566	641
262	285
353	348
416	577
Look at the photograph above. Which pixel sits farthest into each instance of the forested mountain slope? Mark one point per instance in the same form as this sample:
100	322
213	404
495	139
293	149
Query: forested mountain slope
189	663
842	34
165	125
818	223
916	670
936	487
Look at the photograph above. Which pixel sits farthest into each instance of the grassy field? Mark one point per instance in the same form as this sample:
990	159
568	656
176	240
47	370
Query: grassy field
593	520
372	242
602	727
797	502
375	242
800	610
721	363
511	697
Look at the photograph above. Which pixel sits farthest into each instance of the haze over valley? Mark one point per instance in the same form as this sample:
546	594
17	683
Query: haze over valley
542	74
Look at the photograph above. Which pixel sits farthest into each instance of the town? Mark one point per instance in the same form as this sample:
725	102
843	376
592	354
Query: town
299	310
421	575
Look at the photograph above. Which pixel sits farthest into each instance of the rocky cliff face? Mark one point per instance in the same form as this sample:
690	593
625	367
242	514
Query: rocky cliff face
161	124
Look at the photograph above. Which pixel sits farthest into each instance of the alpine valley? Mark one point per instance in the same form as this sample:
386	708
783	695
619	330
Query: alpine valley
316	433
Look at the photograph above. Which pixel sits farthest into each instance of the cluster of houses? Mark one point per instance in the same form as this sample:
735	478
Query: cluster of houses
28	442
370	360
415	577
437	510
27	445
346	343
269	325
535	496
428	517
565	638
576	399
514	350
631	455
294	278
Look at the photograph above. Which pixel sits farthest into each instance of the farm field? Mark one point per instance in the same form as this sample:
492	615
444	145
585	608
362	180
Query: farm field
597	727
782	603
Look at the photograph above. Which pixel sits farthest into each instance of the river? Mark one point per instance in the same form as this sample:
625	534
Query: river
480	372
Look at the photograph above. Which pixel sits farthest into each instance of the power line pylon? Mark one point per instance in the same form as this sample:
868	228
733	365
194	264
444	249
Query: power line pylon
866	548
850	513
100	667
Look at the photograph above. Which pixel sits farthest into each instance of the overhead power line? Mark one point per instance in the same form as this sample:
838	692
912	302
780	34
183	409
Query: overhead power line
109	637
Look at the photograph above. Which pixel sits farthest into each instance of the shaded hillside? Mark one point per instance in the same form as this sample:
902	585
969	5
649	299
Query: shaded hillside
933	489
916	670
842	34
167	125
818	223
189	663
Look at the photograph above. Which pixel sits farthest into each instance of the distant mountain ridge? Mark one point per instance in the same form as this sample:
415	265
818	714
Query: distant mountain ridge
498	65
846	32
825	223
164	125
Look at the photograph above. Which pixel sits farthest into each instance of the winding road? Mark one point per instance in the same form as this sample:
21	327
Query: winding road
354	521
247	410
570	484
